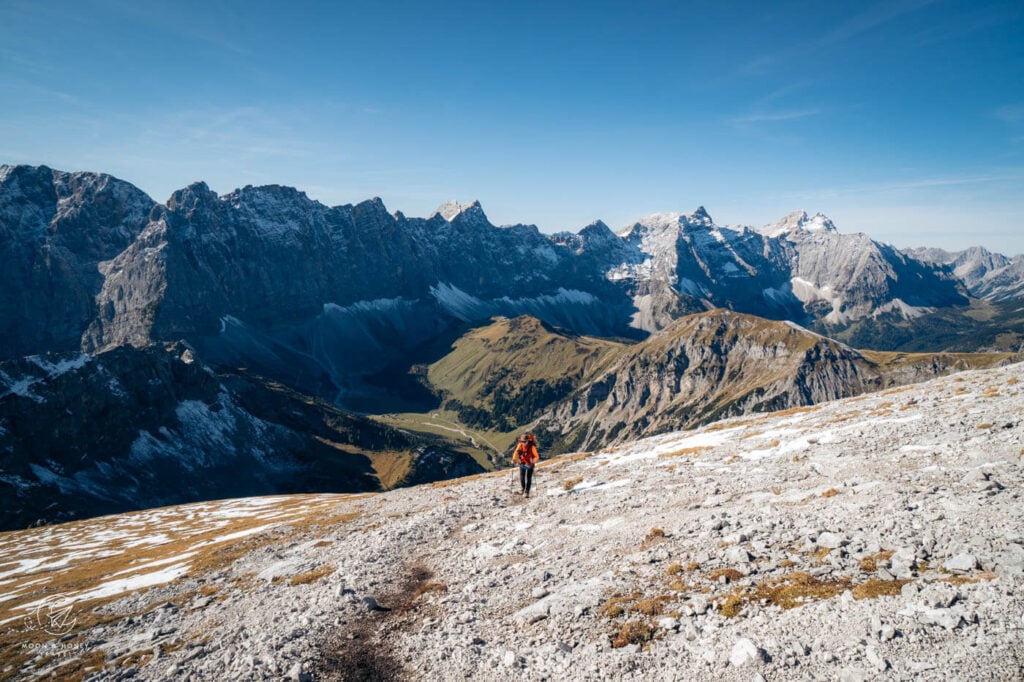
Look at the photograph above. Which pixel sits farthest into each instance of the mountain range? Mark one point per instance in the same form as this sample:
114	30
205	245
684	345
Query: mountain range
348	348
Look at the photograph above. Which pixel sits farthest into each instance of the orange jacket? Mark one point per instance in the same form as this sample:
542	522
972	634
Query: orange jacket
526	454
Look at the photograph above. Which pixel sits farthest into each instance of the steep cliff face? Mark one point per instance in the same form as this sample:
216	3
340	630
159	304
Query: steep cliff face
264	277
55	229
692	265
702	368
84	435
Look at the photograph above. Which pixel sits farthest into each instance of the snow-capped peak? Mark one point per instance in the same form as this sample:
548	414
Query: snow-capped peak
799	220
453	209
673	221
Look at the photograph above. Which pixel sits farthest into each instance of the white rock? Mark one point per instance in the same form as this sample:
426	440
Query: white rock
668	623
831	540
745	652
875	659
738	555
961	563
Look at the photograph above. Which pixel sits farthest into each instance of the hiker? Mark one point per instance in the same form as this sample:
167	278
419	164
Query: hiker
526	457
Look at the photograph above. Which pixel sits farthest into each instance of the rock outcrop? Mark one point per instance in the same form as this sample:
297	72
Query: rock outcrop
55	230
703	368
718	364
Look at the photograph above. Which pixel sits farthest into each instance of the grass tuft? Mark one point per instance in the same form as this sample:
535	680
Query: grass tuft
633	632
651	606
730	575
874	588
572	483
869	564
430	587
312	576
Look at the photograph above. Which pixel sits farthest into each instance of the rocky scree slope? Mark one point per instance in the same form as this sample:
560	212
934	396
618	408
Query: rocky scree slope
872	538
84	435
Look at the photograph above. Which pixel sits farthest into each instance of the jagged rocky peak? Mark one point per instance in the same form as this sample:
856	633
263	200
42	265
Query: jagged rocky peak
799	221
264	194
597	231
700	218
664	223
453	210
195	196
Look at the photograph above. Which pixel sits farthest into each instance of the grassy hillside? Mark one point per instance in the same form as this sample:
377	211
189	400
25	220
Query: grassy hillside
499	379
502	376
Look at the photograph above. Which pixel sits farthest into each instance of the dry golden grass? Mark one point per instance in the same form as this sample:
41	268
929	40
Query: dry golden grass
632	632
792	411
787	592
650	606
674	568
875	588
684	452
312	576
798	588
984	425
819	554
474	477
730	575
869	564
615	605
1012	381
732	604
831	492
572	483
430	587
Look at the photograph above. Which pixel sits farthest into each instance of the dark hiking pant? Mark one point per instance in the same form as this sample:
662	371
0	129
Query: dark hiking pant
525	478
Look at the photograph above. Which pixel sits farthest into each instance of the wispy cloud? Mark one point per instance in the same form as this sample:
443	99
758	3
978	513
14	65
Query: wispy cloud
874	17
210	28
1012	114
996	178
755	118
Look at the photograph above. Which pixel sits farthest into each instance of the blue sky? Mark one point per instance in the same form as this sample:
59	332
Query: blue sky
903	119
